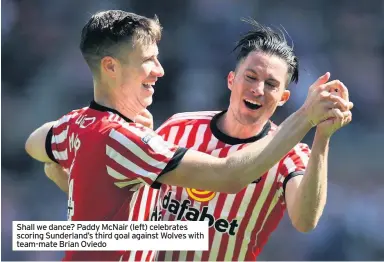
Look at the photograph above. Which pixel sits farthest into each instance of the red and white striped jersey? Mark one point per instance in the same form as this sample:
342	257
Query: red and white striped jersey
109	158
241	223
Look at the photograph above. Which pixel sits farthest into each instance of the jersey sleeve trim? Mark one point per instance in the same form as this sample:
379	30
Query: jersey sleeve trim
291	175
48	145
172	164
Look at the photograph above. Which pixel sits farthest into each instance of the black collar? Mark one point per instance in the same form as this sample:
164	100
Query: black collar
233	140
102	108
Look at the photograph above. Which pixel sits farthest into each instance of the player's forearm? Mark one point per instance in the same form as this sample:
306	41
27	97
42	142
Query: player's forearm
58	175
311	195
253	161
62	182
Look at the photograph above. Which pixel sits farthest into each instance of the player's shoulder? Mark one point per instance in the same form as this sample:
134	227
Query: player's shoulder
101	121
301	147
299	153
70	116
189	118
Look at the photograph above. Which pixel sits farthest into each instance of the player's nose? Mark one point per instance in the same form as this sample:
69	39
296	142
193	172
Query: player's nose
158	70
258	89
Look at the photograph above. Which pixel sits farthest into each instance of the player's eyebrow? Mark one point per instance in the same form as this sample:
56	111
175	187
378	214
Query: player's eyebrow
151	56
270	77
250	69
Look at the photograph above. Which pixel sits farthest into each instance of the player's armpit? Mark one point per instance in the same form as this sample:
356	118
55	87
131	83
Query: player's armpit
35	144
291	176
290	190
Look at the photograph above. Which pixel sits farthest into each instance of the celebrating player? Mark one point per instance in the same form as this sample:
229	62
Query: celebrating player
109	156
241	223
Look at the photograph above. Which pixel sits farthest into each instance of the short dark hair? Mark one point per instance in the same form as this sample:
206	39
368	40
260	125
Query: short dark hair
107	31
265	39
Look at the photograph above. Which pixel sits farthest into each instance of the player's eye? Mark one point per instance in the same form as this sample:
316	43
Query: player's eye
150	59
251	77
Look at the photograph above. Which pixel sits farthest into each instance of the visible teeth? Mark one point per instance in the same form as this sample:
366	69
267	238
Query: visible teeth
149	84
252	102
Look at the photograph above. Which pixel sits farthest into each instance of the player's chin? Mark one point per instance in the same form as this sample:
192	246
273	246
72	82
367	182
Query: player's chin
147	101
250	117
246	112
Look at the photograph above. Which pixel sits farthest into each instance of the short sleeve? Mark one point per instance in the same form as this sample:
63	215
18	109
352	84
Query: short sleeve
57	141
293	164
137	154
48	145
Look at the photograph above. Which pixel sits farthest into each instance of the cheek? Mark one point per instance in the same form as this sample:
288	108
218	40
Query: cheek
235	96
136	74
146	69
237	90
272	100
128	74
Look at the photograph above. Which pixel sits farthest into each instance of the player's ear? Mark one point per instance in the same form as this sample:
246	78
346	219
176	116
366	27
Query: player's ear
109	66
284	97
230	79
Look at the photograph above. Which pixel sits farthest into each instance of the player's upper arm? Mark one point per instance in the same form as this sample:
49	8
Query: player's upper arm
36	143
202	171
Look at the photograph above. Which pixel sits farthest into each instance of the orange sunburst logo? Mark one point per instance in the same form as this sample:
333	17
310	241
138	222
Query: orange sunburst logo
200	195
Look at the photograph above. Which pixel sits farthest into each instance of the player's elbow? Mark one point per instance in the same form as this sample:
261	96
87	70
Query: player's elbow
234	190
35	143
229	189
304	226
234	187
231	181
29	146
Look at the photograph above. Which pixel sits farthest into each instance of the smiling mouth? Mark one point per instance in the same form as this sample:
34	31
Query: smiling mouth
251	105
147	86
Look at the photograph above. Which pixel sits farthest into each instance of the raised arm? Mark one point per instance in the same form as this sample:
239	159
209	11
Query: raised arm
231	174
306	195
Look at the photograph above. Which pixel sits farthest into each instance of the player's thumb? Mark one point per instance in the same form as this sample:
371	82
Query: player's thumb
145	118
322	80
146	113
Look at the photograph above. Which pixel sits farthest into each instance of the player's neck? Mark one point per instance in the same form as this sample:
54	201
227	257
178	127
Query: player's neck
230	126
115	101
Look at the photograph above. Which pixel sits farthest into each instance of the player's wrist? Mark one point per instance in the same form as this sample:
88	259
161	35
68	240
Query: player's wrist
322	136
305	116
323	133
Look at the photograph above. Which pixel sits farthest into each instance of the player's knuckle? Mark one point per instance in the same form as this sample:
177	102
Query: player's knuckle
337	82
323	94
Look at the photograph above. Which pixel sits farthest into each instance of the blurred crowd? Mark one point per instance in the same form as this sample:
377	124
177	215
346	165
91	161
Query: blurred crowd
44	76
